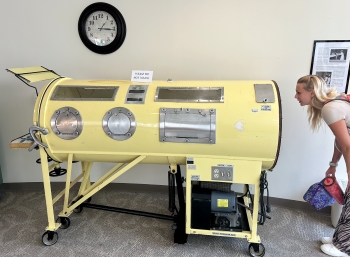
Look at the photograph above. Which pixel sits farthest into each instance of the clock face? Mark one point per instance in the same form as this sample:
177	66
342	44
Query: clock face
102	28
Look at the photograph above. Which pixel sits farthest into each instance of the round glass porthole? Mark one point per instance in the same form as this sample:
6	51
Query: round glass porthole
119	123
67	123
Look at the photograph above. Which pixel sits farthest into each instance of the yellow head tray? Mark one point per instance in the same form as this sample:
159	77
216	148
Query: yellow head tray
34	74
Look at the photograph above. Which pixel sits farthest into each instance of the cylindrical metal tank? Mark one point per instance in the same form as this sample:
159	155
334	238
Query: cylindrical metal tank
116	121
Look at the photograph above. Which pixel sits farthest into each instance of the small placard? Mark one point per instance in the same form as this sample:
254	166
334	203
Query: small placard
222	203
266	108
191	166
195	177
141	76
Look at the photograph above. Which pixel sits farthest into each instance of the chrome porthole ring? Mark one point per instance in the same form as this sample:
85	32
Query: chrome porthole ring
67	123
119	123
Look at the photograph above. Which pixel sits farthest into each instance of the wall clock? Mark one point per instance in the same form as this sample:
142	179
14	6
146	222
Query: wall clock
102	28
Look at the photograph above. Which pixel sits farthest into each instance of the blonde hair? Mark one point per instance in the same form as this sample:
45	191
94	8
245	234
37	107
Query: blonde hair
322	94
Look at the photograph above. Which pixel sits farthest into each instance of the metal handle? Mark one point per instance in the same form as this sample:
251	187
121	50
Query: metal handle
32	131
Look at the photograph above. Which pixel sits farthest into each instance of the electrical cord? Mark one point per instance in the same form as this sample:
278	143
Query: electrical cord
22	137
171	190
263	208
246	192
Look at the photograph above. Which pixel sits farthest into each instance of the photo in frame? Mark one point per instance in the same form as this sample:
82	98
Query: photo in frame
330	60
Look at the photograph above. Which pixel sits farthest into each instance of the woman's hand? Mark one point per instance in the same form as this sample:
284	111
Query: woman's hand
330	172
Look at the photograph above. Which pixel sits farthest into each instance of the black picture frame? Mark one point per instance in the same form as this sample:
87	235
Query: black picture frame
330	60
120	23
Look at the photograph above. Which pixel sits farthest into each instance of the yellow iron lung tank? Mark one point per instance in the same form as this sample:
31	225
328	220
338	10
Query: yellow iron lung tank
116	121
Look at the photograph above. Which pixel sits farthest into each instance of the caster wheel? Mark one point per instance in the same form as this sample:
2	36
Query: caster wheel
174	226
50	238
256	249
65	222
79	209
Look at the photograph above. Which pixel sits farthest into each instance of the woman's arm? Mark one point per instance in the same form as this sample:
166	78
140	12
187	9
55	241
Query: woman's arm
337	154
342	137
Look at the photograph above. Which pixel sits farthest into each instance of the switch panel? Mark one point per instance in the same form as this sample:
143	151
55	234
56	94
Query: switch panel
224	173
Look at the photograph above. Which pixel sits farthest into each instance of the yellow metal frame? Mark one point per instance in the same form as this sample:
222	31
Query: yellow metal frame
86	189
245	172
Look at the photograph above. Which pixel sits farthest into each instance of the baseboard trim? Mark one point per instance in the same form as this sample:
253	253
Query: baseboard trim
56	186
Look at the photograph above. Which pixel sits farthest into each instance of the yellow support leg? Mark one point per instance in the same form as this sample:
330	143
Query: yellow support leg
103	178
52	226
254	224
86	170
67	188
108	178
71	185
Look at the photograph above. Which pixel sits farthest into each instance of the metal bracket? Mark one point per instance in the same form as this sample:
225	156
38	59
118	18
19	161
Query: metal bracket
32	131
173	168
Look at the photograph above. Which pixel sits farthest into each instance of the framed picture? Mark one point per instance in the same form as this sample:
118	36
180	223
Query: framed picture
330	60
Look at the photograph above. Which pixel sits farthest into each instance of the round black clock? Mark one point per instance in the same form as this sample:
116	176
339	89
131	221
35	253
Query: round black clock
102	28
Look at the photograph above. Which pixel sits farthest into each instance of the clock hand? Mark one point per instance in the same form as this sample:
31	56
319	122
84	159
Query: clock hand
102	26
106	29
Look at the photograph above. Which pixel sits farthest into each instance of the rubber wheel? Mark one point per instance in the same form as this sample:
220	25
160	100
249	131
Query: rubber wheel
65	222
256	249
49	238
79	209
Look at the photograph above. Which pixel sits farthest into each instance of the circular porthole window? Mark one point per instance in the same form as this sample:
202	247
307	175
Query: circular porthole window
67	123
119	123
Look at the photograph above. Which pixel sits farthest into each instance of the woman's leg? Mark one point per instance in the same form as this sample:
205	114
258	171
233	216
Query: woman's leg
341	237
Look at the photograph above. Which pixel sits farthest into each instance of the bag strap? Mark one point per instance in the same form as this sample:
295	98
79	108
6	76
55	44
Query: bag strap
343	97
339	97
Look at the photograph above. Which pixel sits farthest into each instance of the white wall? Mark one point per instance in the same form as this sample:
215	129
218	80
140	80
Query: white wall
193	40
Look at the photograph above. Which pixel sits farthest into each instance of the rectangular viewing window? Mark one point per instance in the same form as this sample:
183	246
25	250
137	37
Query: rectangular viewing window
84	93
190	94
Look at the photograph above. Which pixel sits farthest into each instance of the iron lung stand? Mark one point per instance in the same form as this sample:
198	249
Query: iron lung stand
197	169
87	190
